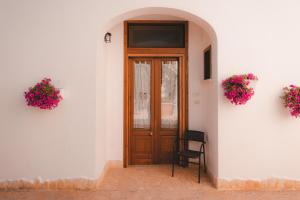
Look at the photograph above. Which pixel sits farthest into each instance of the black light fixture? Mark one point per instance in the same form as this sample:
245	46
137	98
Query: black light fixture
107	37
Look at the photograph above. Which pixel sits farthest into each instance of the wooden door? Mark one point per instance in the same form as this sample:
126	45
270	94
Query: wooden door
154	109
141	77
166	107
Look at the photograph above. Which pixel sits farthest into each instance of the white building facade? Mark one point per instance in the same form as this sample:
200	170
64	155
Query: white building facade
64	40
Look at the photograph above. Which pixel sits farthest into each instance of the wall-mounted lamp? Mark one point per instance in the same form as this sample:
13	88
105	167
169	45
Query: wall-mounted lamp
107	37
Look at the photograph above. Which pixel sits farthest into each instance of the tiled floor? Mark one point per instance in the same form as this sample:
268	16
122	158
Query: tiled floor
152	182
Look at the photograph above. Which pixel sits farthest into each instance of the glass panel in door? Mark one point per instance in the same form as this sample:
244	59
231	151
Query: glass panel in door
169	94
142	95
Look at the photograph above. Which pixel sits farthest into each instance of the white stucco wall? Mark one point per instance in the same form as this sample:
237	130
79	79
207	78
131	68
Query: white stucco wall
259	140
64	40
39	39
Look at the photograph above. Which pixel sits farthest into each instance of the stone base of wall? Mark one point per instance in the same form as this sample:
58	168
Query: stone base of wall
254	185
90	184
248	185
61	184
212	178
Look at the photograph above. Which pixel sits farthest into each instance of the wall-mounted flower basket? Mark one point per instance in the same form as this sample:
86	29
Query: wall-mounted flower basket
43	95
291	99
237	88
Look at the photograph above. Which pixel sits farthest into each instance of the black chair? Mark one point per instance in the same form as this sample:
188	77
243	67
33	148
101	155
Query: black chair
182	157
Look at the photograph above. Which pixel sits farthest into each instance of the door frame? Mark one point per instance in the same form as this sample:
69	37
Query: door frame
181	54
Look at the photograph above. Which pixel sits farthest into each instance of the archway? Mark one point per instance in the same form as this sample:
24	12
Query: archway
202	94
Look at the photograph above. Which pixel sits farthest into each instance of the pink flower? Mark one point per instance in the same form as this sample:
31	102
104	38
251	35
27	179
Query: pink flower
251	76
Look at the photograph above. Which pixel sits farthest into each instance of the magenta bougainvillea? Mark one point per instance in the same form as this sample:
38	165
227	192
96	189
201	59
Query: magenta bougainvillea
237	88
291	99
43	95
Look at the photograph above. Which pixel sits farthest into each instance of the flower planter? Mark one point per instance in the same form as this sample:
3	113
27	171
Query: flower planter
291	99
43	95
237	88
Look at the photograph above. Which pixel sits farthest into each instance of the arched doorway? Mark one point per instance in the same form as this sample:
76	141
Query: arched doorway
202	95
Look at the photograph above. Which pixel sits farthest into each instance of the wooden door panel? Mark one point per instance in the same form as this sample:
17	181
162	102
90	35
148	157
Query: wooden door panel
142	144
166	148
142	111
167	108
141	149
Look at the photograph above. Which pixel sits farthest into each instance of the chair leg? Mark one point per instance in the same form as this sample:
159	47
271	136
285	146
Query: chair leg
199	168
205	169
173	165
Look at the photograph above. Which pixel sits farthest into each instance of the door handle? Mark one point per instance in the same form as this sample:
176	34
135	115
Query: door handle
151	133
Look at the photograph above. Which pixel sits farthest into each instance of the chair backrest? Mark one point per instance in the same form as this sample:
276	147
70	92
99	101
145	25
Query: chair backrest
191	135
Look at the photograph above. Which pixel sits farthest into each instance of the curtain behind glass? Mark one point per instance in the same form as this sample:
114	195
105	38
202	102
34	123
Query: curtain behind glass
142	91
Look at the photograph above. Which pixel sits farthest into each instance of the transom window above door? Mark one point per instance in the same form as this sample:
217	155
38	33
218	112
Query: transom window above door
156	35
